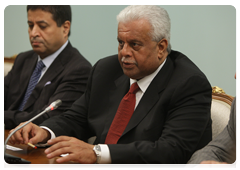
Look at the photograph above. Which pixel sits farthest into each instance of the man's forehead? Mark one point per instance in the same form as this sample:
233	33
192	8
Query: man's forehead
135	25
39	15
136	30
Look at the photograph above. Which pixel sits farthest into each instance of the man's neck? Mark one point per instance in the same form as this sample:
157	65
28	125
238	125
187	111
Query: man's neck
57	51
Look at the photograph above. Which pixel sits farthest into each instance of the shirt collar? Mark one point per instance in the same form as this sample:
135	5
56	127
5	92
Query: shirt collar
145	81
49	59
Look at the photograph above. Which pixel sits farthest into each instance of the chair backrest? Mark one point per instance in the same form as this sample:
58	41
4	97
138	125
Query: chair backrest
7	67
220	110
8	63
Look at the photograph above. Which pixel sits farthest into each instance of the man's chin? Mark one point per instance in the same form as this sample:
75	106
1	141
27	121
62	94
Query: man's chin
37	49
131	74
40	52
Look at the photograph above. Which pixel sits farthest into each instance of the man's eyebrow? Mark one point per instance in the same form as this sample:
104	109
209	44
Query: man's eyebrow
39	22
131	40
135	40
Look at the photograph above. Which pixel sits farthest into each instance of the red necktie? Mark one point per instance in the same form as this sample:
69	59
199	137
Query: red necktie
123	115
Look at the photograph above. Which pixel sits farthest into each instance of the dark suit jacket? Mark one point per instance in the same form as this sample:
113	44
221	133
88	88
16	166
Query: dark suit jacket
65	79
171	121
223	147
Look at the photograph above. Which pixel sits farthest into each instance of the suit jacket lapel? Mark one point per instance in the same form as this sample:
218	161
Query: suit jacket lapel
28	67
151	96
120	88
55	68
51	73
149	99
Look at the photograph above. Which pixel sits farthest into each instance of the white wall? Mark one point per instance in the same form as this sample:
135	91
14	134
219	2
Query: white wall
206	34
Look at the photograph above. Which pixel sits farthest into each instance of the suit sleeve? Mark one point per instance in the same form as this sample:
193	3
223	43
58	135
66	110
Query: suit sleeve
223	147
187	119
8	114
76	116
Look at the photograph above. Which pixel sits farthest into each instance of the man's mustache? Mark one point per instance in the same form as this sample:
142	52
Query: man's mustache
128	60
34	40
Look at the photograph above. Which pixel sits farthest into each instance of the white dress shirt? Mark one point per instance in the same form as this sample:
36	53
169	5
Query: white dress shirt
143	85
47	61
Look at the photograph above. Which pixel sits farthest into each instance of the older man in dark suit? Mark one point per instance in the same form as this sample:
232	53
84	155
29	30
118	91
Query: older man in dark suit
52	70
163	118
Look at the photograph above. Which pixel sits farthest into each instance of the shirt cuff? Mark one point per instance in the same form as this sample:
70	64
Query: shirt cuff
50	131
105	154
52	136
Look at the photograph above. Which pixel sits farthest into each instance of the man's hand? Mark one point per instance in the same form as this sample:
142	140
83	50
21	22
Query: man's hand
78	150
214	164
30	133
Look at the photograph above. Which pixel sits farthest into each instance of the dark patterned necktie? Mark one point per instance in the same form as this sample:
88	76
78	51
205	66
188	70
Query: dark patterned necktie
123	115
32	83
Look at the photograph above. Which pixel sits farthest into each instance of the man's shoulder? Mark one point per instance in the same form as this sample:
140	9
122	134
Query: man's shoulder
27	53
179	58
109	63
71	56
24	55
182	62
111	58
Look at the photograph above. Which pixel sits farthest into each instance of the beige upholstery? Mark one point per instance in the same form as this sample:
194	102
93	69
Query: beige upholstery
7	67
8	63
220	111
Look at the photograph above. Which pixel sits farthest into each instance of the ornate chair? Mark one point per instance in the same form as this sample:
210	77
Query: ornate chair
220	110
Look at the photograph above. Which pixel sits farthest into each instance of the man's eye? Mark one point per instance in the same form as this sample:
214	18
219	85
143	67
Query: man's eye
42	26
135	45
30	26
120	43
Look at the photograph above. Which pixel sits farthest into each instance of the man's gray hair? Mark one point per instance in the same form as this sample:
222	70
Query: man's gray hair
155	15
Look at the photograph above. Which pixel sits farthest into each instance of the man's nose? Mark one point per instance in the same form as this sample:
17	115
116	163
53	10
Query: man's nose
126	50
34	32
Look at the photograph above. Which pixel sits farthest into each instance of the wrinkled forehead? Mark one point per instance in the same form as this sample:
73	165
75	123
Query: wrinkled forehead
141	28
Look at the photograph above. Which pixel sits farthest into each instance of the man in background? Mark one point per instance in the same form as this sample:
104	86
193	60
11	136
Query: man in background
148	104
52	70
222	149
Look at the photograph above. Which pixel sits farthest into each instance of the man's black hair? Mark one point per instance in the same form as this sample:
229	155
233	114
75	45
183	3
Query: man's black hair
60	13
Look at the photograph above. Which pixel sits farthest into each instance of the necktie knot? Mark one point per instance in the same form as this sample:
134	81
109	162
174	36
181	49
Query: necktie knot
40	66
134	88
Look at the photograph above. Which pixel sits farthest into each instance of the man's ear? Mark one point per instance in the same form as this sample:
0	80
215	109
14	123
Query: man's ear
66	27
162	48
